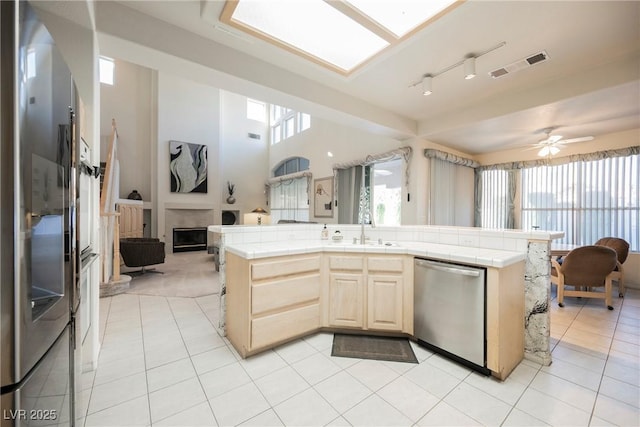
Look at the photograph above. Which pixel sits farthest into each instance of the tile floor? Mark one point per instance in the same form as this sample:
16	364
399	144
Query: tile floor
163	364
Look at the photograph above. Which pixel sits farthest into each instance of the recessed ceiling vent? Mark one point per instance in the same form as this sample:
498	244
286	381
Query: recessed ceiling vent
536	58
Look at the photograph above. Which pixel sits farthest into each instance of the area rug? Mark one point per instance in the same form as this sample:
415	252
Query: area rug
391	349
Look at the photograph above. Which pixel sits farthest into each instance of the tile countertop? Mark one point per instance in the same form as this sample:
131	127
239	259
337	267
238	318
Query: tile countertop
462	254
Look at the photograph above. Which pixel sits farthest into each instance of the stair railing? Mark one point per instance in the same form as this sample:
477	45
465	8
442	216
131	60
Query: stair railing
109	217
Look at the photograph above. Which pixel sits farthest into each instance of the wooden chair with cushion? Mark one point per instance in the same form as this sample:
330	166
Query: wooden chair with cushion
621	247
588	267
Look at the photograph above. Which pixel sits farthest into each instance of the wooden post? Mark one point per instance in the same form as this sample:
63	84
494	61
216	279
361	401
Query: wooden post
116	247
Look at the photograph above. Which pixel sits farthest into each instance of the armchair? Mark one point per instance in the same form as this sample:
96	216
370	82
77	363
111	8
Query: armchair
142	252
621	247
586	266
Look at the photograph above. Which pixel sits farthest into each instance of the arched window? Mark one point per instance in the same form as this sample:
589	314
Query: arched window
291	165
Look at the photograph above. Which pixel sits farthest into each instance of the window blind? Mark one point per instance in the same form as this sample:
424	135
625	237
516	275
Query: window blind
587	200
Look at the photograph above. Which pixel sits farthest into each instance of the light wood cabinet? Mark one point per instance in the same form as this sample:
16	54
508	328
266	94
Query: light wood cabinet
384	297
371	292
346	300
272	300
505	319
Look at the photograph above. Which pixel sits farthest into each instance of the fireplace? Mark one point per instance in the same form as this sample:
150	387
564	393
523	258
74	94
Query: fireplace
189	239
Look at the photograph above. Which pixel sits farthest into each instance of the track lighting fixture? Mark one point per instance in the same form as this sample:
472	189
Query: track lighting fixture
469	67
426	85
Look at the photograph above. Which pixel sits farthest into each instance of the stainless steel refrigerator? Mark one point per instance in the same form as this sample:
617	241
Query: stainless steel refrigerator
38	302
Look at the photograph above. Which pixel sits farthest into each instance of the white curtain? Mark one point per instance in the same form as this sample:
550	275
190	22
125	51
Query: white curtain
349	183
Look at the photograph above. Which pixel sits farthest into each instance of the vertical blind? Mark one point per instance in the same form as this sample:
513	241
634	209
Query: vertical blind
587	200
494	203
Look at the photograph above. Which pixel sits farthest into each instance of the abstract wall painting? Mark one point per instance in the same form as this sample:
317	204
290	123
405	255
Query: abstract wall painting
188	167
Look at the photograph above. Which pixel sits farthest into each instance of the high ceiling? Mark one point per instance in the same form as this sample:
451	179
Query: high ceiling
590	84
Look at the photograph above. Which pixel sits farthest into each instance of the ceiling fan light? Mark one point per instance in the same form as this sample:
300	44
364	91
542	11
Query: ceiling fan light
548	150
426	85
469	65
544	151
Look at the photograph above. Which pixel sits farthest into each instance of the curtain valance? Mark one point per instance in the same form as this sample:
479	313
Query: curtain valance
279	179
403	152
588	157
431	153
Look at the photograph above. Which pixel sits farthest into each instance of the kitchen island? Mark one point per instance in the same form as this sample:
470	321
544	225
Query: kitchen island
511	257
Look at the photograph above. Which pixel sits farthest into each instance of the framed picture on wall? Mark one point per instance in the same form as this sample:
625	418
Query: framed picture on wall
188	167
323	197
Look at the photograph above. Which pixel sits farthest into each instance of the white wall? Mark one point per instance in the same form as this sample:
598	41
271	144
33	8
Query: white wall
188	112
244	161
129	101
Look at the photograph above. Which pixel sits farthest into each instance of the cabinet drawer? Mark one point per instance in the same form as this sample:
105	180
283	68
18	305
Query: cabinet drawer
393	264
284	267
273	295
346	263
278	327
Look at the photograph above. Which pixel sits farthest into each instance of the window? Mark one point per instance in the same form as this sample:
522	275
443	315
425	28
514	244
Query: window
289	127
290	197
586	200
286	122
387	192
378	201
107	67
256	110
304	121
31	63
494	198
292	165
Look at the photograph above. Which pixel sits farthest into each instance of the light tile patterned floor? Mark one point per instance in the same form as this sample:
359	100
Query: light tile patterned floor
163	364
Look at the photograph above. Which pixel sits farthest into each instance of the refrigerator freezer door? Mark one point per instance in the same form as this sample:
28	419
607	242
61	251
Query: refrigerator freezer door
43	397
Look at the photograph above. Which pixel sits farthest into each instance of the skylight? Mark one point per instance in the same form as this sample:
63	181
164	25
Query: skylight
401	16
338	34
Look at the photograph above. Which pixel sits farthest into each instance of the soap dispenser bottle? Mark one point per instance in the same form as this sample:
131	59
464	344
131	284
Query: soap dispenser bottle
325	233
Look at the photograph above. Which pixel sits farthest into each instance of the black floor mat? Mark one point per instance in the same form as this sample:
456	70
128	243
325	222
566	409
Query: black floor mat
369	347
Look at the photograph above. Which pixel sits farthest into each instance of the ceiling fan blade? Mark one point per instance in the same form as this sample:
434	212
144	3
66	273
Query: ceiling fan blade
571	140
554	138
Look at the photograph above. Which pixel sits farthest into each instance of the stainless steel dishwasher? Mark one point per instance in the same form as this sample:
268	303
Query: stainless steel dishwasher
449	310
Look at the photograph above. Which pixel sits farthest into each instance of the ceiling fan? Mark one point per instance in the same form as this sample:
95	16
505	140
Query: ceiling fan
550	146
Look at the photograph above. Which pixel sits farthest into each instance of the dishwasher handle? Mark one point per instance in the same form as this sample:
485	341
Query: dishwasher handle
447	268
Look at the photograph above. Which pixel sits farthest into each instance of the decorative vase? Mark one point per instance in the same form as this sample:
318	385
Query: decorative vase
231	200
134	195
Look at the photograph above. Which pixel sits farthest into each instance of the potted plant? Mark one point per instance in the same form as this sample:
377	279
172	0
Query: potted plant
231	188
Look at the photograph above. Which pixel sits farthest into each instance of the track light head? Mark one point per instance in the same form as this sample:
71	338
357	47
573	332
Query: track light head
426	85
469	68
